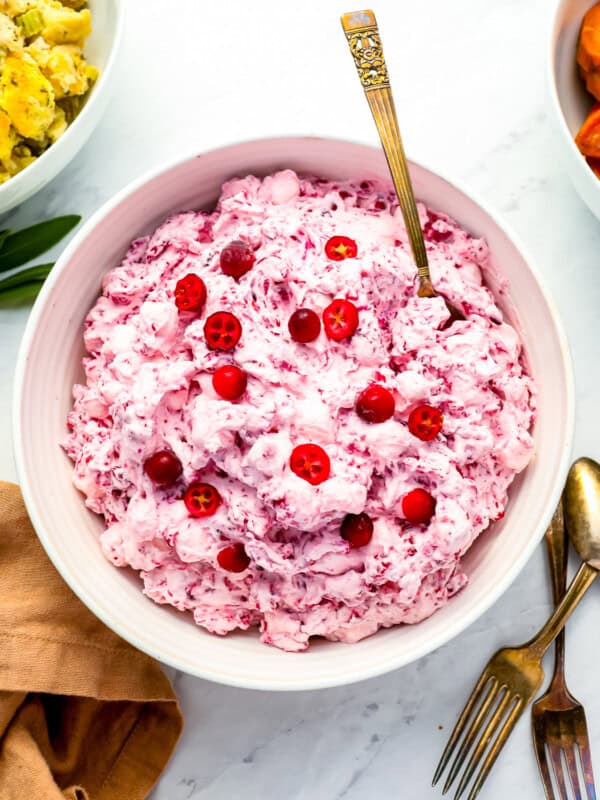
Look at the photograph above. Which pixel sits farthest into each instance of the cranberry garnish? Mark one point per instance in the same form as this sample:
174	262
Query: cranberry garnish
340	247
201	499
237	258
357	529
425	422
340	319
230	382
222	331
163	467
233	558
375	404
190	293
310	462
304	325
418	506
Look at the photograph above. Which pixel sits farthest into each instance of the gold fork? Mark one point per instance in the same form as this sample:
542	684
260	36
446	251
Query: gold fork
558	720
364	42
514	675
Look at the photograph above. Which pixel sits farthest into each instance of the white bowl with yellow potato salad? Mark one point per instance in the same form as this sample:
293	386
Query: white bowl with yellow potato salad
56	62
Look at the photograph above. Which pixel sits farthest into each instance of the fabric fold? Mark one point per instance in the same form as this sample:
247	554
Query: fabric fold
83	714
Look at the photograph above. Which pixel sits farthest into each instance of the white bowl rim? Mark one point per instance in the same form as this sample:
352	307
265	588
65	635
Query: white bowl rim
63	142
393	662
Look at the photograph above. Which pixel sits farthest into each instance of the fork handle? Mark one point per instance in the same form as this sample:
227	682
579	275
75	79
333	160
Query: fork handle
579	586
558	554
364	42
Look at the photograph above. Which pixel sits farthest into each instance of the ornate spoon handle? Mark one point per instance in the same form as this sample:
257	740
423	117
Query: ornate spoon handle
364	41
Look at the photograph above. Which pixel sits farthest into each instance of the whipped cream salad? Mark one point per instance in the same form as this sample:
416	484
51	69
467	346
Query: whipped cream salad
278	432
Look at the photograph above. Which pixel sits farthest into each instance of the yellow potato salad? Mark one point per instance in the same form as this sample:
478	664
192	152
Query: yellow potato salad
44	76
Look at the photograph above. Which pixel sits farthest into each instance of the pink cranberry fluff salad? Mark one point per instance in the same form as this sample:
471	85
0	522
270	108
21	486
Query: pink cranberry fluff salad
278	431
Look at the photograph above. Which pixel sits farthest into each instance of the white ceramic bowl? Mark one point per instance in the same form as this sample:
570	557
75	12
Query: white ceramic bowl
50	362
569	101
101	51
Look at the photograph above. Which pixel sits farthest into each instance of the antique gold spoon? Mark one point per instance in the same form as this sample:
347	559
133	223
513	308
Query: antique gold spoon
513	676
581	508
364	41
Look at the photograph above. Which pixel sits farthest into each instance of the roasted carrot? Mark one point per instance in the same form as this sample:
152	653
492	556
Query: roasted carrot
594	165
588	138
588	51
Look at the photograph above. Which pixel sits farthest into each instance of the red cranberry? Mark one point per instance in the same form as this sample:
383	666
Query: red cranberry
163	468
201	500
190	293
310	462
418	506
425	422
340	319
357	529
233	558
339	248
304	325
237	258
222	331
230	382
375	404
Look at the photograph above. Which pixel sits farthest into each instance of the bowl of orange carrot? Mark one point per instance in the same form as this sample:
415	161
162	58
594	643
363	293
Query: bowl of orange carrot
574	89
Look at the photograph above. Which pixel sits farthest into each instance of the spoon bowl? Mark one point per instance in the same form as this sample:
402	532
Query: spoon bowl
582	509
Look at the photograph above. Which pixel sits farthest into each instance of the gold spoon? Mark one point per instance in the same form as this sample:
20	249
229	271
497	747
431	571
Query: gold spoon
364	41
581	506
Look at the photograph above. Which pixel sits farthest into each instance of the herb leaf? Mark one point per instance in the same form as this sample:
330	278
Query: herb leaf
20	295
20	247
3	235
37	273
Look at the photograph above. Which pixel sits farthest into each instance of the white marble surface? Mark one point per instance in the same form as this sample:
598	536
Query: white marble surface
469	82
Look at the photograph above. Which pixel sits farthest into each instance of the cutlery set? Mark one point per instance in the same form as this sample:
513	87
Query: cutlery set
514	675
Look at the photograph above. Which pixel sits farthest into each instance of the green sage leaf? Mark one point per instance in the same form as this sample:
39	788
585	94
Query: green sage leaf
20	295
20	247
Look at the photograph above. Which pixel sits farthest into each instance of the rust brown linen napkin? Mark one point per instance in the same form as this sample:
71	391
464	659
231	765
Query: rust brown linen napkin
83	715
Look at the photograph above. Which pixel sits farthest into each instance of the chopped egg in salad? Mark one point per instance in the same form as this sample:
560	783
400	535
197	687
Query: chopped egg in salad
44	76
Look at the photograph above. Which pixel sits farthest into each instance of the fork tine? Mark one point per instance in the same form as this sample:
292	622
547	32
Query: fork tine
571	762
484	740
495	749
586	764
539	742
555	750
460	724
471	734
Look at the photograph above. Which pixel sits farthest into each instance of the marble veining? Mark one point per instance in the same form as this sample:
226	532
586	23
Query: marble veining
469	83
